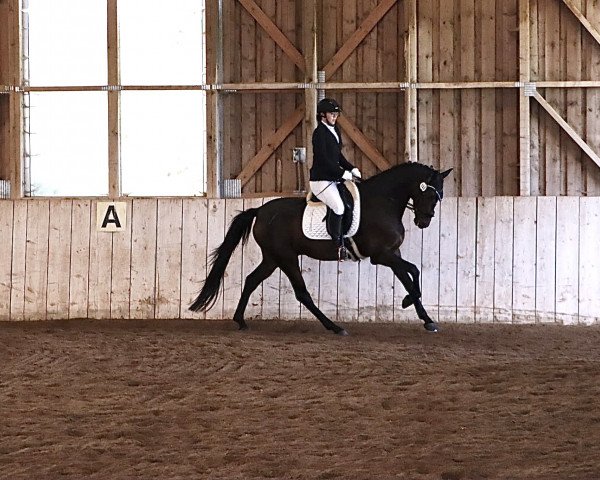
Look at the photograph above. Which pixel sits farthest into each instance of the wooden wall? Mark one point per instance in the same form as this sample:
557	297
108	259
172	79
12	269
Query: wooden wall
492	259
250	117
474	130
465	118
251	55
564	50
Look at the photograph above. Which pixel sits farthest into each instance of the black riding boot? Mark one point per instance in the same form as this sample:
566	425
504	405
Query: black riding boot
335	229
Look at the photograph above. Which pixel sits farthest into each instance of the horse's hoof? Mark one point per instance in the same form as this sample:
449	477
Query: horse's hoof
242	327
407	302
431	327
342	333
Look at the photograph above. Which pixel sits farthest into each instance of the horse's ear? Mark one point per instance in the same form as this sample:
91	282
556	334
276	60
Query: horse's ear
446	173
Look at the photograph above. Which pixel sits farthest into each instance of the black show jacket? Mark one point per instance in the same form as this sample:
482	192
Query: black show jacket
329	162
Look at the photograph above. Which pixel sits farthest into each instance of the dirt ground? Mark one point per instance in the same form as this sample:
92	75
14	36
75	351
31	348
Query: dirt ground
288	400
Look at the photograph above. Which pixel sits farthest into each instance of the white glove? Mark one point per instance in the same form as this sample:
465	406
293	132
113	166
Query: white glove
356	173
347	175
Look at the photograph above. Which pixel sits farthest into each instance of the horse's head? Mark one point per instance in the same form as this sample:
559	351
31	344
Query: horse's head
425	195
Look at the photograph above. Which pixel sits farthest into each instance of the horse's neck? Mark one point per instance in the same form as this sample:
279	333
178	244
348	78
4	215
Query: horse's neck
382	203
391	188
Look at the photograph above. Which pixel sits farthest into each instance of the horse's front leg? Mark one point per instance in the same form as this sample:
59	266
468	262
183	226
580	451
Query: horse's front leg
414	275
408	274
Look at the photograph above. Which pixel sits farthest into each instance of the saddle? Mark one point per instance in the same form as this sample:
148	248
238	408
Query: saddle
314	219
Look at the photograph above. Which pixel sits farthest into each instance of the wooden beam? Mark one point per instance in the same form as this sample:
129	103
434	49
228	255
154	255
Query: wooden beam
462	85
524	102
366	146
357	37
16	100
271	145
4	96
569	84
287	86
584	21
567	128
274	32
114	102
411	148
309	33
214	114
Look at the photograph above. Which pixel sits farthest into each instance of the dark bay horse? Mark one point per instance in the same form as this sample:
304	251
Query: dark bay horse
278	231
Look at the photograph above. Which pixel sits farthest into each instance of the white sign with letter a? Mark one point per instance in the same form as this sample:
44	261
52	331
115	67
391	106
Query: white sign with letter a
111	216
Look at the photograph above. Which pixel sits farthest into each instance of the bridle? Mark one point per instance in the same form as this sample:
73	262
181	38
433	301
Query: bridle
423	186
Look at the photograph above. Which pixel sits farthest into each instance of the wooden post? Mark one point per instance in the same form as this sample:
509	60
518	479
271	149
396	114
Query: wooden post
310	94
470	185
214	114
487	44
524	102
411	153
114	102
15	139
4	97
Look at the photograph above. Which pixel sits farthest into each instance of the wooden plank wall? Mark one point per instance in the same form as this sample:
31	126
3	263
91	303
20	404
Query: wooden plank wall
250	117
492	259
476	131
251	55
473	130
379	58
566	51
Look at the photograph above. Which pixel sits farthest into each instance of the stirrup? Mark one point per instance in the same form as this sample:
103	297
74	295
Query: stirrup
343	254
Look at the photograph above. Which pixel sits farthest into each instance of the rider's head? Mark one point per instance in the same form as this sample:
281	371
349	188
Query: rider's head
329	110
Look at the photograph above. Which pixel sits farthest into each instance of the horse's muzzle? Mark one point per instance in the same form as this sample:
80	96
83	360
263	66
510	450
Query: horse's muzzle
422	222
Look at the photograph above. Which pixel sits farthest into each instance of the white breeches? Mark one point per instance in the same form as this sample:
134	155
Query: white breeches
327	192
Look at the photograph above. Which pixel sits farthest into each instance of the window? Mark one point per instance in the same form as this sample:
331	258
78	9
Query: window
67	42
161	135
71	133
161	43
162	111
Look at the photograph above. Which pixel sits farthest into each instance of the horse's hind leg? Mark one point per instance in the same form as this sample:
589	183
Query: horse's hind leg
260	273
292	269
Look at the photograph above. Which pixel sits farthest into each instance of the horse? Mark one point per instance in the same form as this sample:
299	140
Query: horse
278	232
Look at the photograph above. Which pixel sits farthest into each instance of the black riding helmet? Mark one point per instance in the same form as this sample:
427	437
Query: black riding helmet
328	105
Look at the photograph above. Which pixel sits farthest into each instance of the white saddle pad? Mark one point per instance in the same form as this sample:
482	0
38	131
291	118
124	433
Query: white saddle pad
313	219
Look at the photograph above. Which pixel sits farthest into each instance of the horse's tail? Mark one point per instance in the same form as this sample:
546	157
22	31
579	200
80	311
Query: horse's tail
239	230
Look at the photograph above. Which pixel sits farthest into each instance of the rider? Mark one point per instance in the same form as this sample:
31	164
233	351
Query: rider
330	167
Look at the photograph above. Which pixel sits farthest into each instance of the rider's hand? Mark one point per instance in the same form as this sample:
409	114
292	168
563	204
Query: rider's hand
347	175
356	173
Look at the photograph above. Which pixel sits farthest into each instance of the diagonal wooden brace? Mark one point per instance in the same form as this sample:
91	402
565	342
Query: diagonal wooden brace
271	145
275	33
